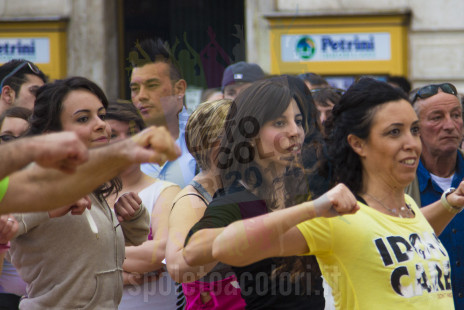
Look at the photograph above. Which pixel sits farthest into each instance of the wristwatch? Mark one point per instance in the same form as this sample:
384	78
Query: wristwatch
447	205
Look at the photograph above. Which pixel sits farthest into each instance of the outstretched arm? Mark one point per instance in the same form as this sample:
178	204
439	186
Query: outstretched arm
275	233
63	151
198	252
438	215
39	189
198	244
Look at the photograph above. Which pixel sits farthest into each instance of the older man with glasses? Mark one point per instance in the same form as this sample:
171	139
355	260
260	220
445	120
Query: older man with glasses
441	169
19	80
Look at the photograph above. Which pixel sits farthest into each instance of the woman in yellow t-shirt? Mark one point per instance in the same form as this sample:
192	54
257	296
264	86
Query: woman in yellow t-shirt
382	251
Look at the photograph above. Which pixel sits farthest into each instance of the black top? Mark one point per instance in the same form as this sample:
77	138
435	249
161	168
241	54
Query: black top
259	288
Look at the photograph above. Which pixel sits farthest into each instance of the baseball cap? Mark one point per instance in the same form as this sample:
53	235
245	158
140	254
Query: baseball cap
241	72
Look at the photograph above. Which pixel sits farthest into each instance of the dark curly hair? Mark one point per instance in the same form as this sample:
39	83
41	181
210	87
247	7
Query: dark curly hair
49	105
353	115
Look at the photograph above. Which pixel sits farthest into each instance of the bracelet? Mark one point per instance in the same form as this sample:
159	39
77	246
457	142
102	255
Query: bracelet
447	205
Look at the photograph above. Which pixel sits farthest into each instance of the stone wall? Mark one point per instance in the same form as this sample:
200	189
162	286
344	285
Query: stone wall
91	34
436	32
93	43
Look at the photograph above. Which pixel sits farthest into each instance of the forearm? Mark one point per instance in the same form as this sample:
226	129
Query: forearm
256	238
16	155
27	221
437	216
199	249
180	271
144	258
39	189
137	229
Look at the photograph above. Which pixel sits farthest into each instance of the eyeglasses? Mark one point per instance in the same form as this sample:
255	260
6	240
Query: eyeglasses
335	90
32	67
432	89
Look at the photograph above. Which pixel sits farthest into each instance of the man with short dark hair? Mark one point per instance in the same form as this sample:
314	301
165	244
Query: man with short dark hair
19	81
158	90
441	168
237	77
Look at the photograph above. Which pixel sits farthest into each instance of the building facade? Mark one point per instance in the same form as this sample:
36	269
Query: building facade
420	39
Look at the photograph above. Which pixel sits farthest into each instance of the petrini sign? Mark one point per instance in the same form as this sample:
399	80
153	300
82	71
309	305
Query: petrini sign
36	50
336	47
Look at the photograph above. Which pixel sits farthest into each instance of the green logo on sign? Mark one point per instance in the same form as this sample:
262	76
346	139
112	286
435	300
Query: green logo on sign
305	47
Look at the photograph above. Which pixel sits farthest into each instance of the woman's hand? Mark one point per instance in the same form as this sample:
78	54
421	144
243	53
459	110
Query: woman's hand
76	208
158	146
61	150
456	198
8	228
337	201
127	205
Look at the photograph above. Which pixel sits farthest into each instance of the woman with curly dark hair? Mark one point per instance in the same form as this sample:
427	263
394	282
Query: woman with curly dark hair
376	248
75	261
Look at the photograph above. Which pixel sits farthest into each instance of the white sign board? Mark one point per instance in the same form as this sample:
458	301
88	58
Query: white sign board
335	47
36	50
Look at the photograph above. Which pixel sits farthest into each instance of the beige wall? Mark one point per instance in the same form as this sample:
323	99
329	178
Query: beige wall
91	34
34	8
436	32
92	43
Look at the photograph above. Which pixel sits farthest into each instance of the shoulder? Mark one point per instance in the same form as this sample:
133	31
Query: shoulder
241	202
169	190
190	195
166	184
409	200
158	186
233	196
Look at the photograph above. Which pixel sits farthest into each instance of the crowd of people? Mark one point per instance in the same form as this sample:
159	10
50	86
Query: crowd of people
277	192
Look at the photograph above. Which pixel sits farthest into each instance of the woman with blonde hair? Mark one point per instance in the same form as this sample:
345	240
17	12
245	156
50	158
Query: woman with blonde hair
216	287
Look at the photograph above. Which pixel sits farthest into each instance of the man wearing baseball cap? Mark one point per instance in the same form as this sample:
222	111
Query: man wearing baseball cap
239	76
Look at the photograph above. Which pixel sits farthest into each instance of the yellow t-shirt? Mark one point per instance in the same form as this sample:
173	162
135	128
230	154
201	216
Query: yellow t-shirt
376	261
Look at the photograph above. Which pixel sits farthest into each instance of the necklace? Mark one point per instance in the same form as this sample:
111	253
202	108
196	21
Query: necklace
406	210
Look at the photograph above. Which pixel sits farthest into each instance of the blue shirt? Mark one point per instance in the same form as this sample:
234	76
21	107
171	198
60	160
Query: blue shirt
453	235
180	171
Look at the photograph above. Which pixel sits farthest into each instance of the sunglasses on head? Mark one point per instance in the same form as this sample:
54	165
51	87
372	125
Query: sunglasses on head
32	67
432	89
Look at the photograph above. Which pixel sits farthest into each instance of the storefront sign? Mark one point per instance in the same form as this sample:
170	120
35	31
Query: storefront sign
36	50
335	47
